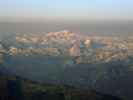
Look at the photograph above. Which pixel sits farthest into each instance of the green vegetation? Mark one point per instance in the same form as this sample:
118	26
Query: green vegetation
22	89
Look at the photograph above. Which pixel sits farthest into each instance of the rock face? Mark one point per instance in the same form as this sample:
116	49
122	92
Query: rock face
13	50
2	51
61	35
66	43
87	43
52	51
1	59
75	49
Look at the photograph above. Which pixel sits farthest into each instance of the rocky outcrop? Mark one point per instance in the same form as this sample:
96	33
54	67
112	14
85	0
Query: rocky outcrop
87	43
31	51
13	50
66	43
75	49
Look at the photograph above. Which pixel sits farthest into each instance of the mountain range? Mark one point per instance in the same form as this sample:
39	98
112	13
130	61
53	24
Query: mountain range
103	63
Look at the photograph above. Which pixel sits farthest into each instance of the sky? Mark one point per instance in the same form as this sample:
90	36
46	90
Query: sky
66	9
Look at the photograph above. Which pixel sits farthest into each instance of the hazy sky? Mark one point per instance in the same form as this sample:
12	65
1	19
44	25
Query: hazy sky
66	9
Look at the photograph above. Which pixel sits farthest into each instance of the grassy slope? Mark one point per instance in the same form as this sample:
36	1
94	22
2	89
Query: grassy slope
14	88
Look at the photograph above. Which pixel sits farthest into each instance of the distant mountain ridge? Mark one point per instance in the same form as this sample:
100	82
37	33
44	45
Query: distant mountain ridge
64	57
72	44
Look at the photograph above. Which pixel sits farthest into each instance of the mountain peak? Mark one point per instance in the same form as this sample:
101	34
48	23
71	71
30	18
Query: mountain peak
62	34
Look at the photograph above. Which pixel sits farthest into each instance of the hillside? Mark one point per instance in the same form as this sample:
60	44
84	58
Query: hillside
16	88
102	63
